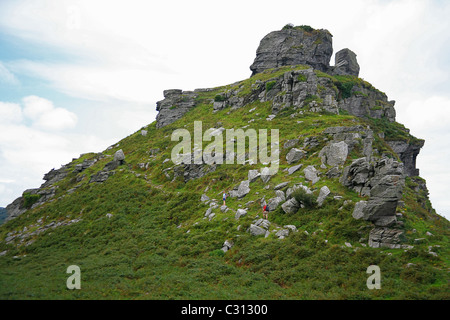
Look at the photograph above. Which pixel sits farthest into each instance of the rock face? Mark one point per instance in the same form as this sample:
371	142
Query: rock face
383	182
293	46
385	237
407	152
346	63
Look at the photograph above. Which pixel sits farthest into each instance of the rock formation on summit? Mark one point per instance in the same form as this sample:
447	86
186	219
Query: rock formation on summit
292	46
303	45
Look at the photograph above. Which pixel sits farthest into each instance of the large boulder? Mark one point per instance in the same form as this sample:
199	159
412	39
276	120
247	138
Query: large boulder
293	46
240	213
334	154
241	190
273	203
291	206
294	155
119	156
253	175
311	174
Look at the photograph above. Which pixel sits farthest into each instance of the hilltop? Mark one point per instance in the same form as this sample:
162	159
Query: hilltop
346	195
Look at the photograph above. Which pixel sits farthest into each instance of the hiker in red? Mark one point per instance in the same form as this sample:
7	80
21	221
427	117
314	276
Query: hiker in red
265	212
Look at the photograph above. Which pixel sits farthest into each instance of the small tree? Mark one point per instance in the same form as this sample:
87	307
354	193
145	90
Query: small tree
307	199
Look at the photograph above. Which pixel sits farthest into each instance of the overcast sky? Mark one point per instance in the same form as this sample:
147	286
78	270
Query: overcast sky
77	76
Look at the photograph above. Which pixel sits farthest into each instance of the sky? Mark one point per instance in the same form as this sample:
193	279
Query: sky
76	76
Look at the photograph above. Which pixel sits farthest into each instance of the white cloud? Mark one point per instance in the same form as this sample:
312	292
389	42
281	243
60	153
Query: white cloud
27	151
36	106
45	116
10	113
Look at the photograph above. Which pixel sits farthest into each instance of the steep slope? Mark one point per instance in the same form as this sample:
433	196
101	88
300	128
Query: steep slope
346	196
3	215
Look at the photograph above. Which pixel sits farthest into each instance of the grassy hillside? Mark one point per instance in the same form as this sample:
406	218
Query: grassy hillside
142	235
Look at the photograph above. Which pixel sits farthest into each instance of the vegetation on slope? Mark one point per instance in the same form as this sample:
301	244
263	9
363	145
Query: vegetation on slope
144	236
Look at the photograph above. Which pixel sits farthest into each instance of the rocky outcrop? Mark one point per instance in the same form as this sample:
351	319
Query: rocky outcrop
346	63
175	104
47	191
344	140
383	181
365	102
293	46
407	153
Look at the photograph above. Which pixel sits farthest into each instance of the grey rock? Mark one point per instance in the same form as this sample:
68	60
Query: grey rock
334	172
241	190
240	213
84	165
204	198
295	155
119	156
293	169
101	176
323	194
192	171
311	174
407	153
144	133
265	175
358	211
334	154
274	203
175	104
291	206
280	194
253	175
208	212
262	223
293	46
283	233
346	63
227	245
291	227
256	231
385	237
281	185
290	143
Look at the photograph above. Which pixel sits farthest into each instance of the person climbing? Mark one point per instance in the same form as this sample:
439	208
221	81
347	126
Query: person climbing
224	197
265	212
